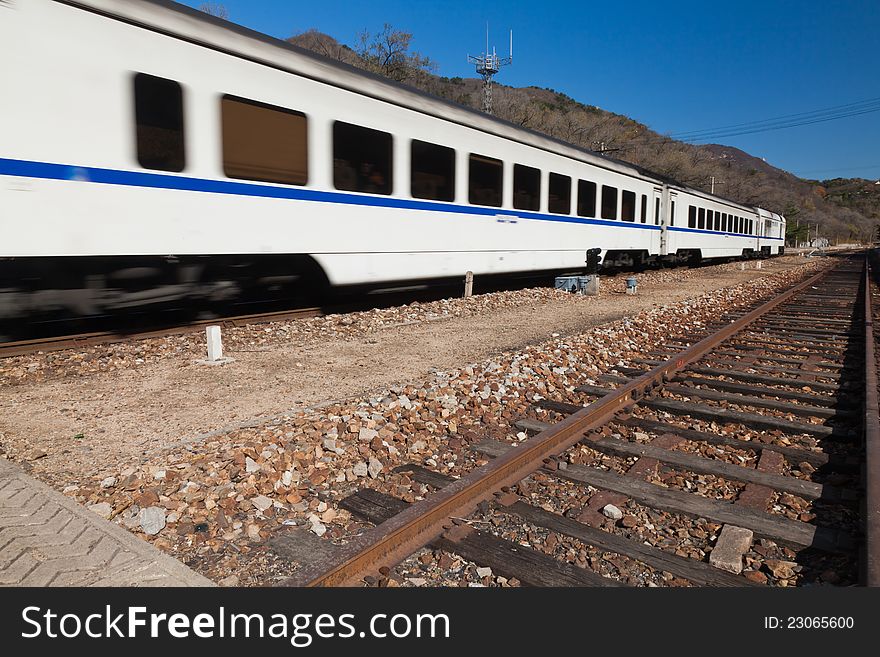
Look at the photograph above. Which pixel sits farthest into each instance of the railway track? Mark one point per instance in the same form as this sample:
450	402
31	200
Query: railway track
79	340
769	408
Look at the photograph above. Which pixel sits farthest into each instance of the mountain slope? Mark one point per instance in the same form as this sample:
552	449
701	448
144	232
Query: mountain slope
845	211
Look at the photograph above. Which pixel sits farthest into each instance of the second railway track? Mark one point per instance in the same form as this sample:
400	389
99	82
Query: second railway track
771	405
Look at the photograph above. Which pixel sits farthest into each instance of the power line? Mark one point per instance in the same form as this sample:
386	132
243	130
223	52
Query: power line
768	125
856	106
866	166
781	126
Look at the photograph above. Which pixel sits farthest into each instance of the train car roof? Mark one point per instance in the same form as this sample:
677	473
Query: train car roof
198	27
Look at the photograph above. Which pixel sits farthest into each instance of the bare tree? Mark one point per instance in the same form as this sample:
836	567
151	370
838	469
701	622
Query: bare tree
387	53
215	9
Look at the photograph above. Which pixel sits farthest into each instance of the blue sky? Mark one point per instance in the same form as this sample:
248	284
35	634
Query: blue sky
675	66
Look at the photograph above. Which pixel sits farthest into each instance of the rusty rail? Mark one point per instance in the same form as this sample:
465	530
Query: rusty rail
59	343
419	524
871	510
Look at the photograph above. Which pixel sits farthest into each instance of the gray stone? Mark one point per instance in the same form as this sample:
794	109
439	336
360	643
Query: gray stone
103	509
317	527
360	469
109	482
152	520
250	465
417	446
733	542
484	572
612	512
375	467
330	444
366	435
261	503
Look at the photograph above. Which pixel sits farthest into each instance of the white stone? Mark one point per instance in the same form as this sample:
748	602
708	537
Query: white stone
250	465
360	469
484	572
287	478
375	467
612	512
330	444
108	482
103	509
152	520
261	503
366	435
417	446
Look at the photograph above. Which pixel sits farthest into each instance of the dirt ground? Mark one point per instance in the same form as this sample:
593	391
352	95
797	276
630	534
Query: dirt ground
65	427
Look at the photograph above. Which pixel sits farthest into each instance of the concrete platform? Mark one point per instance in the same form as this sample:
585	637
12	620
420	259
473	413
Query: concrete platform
47	539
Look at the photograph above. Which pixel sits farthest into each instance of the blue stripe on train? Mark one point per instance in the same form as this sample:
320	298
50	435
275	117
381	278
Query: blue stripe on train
53	171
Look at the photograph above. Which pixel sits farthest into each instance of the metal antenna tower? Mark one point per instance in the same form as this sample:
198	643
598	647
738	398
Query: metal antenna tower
488	64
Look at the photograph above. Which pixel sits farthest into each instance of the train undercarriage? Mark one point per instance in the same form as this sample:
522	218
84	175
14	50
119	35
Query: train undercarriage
38	293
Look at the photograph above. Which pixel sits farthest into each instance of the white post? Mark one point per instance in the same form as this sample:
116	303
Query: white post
215	344
742	266
758	265
469	284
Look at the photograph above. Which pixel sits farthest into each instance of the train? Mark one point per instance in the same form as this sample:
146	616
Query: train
154	155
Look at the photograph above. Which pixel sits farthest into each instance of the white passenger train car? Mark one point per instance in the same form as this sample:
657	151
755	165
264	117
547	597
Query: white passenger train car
151	153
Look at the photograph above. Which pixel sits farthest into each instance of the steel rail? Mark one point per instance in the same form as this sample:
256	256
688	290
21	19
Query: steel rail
62	342
871	502
392	541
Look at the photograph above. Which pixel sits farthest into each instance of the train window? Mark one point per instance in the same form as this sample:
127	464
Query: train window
751	226
692	216
526	187
724	222
158	113
485	179
628	206
702	218
710	218
432	173
361	159
657	211
262	142
559	194
609	202
672	213
586	198
644	208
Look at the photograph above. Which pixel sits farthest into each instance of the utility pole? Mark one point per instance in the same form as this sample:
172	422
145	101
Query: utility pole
714	182
601	148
